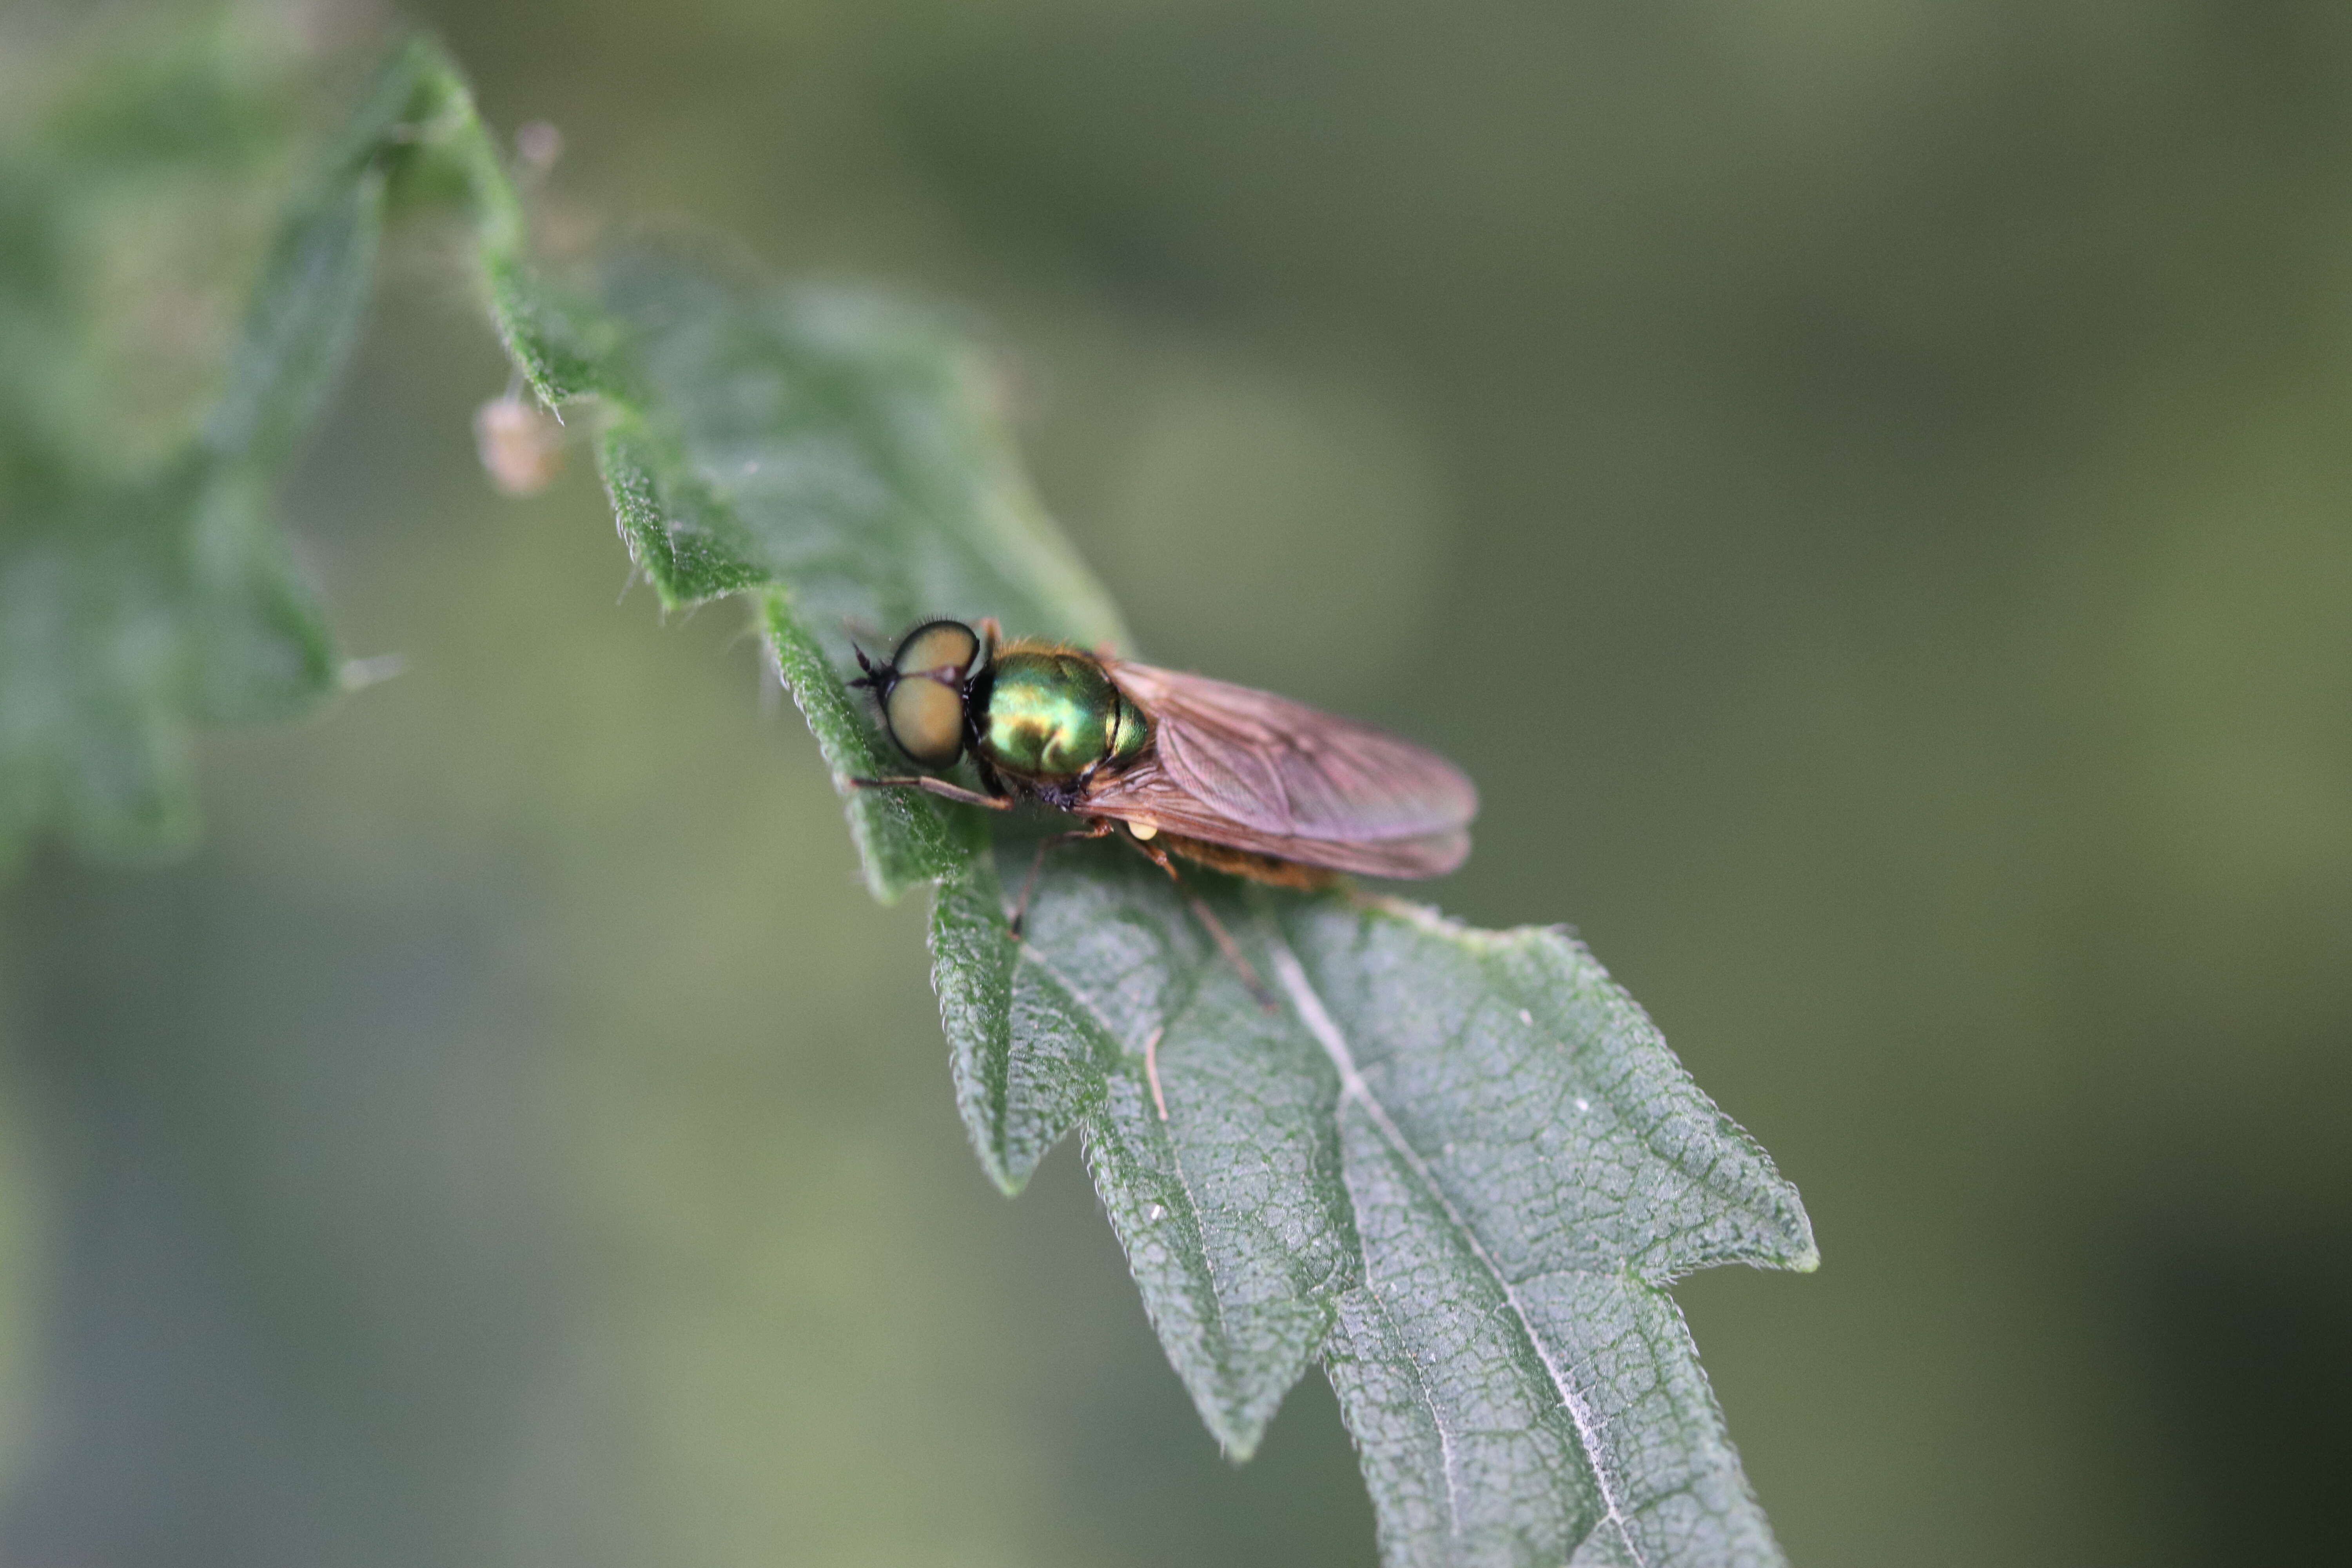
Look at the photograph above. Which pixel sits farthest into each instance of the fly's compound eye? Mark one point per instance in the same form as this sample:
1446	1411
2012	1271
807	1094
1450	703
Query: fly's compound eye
944	648
926	718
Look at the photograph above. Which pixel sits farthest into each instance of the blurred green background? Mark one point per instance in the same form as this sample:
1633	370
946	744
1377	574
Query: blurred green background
1864	486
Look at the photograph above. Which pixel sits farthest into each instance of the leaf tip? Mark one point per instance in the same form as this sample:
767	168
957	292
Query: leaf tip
1798	1252
1238	1428
1009	1177
1239	1449
359	674
1805	1255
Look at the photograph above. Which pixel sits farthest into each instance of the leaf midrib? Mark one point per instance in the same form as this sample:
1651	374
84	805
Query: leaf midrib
1319	1023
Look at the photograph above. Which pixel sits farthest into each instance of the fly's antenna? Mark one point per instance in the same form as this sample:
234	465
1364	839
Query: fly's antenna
876	674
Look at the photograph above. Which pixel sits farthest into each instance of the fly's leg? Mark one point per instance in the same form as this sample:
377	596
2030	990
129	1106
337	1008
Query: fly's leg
1037	863
1158	855
940	787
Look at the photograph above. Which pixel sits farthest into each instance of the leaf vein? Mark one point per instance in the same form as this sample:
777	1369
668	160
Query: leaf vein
1319	1023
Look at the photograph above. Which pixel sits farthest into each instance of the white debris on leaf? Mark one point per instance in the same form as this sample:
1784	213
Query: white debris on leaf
521	446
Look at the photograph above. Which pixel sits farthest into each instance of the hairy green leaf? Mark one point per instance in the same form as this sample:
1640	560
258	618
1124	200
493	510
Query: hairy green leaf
143	586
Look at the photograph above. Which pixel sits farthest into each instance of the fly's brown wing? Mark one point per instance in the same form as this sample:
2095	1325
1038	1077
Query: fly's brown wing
1147	794
1254	771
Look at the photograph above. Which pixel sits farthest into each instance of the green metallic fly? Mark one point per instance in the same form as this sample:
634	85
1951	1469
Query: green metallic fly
1232	778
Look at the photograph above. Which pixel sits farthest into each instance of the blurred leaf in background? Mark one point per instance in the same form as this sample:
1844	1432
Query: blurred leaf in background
146	413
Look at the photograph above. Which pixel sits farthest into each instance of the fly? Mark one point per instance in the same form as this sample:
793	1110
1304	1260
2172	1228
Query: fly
1227	776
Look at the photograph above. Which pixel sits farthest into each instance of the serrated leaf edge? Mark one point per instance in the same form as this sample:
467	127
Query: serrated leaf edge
1799	1254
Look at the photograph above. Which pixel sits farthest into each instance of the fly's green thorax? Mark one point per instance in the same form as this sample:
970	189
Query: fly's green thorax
1054	715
